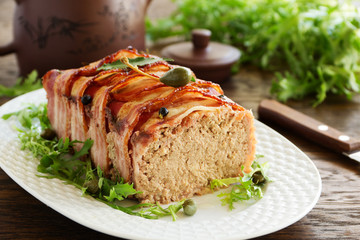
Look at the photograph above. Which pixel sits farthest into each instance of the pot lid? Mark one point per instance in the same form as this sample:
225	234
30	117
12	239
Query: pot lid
201	52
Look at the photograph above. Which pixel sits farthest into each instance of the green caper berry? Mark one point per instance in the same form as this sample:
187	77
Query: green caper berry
258	178
91	185
189	207
48	134
176	77
86	99
163	112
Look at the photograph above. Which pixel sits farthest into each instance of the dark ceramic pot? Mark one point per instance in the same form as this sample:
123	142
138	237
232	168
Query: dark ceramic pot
70	33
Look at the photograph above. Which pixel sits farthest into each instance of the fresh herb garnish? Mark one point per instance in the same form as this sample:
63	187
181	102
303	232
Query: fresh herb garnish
22	85
175	77
243	187
27	115
138	61
161	212
59	159
313	44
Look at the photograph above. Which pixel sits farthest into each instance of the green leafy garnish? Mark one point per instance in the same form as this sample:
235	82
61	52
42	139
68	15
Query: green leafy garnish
58	159
243	188
161	212
58	163
27	115
313	45
138	61
22	85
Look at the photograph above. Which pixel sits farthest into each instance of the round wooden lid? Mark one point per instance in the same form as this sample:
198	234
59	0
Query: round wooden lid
209	60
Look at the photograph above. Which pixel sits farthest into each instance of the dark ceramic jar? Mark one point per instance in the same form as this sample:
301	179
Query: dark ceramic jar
69	33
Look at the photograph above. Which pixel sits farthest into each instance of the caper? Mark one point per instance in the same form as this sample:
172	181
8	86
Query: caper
91	185
86	99
48	134
177	77
258	177
163	112
189	207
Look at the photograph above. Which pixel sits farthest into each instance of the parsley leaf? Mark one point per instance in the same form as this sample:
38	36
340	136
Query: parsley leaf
27	116
121	191
138	61
243	187
22	85
157	210
60	164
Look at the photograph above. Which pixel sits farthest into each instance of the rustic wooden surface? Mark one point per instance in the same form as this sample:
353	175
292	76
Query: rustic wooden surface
335	216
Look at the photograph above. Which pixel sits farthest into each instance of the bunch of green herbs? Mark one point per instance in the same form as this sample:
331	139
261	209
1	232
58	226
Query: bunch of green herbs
245	187
23	85
313	45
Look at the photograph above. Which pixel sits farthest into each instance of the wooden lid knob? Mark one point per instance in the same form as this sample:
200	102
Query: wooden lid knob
200	38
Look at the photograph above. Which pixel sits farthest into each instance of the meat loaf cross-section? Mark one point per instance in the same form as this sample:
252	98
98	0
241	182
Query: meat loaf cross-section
204	136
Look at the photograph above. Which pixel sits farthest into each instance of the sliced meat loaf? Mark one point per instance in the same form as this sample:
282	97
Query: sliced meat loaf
204	136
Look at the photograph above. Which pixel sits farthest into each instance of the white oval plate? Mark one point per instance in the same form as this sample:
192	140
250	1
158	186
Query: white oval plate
295	189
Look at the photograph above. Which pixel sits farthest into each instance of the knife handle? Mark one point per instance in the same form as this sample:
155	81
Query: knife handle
306	126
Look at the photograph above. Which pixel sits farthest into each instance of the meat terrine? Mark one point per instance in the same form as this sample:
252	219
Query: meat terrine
204	136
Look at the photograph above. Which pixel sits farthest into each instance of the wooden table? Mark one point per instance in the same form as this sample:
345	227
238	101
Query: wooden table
335	216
